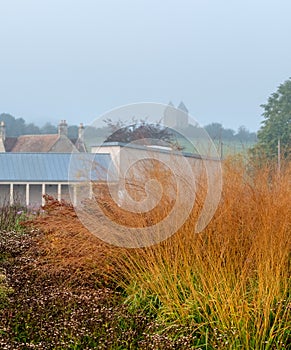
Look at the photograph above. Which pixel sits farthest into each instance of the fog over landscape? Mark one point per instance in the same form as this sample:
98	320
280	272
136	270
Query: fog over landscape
145	170
76	60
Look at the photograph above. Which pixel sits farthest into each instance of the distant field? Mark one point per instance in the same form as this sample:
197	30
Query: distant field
228	147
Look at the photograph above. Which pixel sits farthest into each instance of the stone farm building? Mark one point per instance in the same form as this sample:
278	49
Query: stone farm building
58	143
34	165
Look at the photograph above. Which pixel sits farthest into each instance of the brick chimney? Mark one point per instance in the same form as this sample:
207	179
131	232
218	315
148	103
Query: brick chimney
2	131
2	137
63	128
81	132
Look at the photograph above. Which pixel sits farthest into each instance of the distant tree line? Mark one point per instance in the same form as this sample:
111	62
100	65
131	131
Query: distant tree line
217	132
273	140
18	126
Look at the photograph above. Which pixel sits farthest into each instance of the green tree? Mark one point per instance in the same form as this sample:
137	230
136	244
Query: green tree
244	135
73	132
14	127
214	130
48	128
31	129
276	124
17	126
217	132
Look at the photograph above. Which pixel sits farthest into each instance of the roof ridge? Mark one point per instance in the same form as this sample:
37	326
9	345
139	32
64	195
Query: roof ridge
26	135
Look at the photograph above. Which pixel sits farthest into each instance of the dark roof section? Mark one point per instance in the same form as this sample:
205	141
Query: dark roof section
9	143
56	167
79	144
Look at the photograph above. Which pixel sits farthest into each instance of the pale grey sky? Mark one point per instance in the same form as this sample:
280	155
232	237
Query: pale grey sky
75	60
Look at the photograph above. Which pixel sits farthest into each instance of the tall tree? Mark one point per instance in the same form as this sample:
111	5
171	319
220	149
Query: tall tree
73	132
214	130
244	135
276	126
14	127
31	129
48	128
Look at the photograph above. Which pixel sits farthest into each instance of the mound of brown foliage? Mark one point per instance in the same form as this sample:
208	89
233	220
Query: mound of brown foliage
67	249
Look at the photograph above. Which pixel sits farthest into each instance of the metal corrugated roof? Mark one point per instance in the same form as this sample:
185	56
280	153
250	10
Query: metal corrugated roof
55	167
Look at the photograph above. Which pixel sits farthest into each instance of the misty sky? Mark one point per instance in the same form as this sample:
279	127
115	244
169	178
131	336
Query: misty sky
75	60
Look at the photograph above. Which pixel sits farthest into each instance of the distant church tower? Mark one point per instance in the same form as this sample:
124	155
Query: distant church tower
176	117
182	118
170	115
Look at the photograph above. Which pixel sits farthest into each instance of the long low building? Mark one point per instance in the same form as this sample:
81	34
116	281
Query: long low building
26	177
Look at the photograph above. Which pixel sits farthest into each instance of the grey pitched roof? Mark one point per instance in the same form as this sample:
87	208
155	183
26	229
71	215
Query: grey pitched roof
55	167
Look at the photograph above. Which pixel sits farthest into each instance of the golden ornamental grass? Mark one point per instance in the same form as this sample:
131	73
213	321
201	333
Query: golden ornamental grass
232	281
230	284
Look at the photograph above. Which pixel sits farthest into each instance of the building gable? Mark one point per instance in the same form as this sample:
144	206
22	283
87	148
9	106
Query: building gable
63	145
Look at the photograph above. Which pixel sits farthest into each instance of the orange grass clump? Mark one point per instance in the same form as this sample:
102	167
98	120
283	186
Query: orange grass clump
229	283
68	249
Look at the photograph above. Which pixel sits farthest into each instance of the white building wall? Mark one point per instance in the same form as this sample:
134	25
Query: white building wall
4	194
34	192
